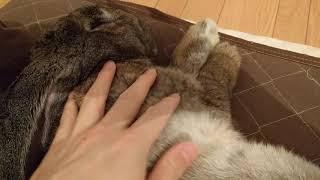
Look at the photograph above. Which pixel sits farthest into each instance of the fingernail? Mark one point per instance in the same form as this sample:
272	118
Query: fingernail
175	95
71	95
189	151
109	65
151	71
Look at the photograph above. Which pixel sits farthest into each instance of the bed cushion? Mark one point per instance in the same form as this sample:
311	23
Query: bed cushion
276	100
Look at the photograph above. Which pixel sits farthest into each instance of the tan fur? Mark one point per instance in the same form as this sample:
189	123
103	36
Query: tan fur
204	73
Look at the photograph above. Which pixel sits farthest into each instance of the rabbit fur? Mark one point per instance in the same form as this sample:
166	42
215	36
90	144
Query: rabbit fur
203	71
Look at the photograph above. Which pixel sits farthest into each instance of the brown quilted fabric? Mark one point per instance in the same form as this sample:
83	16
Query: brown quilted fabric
277	99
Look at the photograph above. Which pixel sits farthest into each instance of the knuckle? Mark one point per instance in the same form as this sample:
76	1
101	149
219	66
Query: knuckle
94	134
151	110
122	142
85	140
128	96
154	109
124	95
172	163
93	97
89	96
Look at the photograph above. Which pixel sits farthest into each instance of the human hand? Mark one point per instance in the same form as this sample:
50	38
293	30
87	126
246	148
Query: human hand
90	144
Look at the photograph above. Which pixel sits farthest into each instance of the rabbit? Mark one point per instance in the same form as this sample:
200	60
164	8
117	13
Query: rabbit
64	56
203	71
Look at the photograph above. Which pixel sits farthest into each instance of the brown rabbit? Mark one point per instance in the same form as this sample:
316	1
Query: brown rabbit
203	71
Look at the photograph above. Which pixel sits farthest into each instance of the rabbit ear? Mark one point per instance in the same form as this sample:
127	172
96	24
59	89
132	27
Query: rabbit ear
106	16
90	17
100	22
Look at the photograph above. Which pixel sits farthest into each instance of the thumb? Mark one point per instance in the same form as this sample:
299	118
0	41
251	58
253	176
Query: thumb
174	162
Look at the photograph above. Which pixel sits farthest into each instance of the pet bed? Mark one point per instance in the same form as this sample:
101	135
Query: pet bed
277	97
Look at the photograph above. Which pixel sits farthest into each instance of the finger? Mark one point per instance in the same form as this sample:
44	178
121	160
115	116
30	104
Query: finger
68	119
93	106
174	162
154	119
128	104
